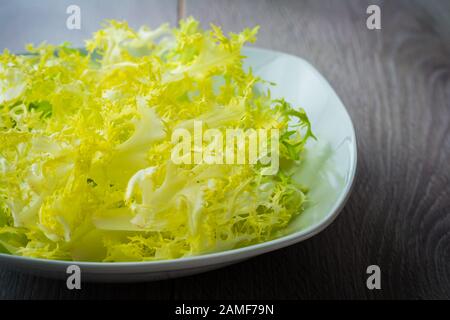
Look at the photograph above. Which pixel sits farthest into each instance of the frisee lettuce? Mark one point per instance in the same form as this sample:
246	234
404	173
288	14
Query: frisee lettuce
85	170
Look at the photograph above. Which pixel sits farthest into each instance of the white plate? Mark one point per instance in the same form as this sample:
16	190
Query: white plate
328	170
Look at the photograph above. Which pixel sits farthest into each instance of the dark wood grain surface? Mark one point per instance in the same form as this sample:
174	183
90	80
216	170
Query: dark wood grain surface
395	83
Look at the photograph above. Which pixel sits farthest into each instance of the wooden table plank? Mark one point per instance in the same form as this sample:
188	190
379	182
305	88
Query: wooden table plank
396	85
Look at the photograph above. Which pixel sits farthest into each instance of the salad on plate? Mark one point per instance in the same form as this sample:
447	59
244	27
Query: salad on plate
87	142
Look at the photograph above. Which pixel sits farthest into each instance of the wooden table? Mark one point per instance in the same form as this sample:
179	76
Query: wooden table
395	83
